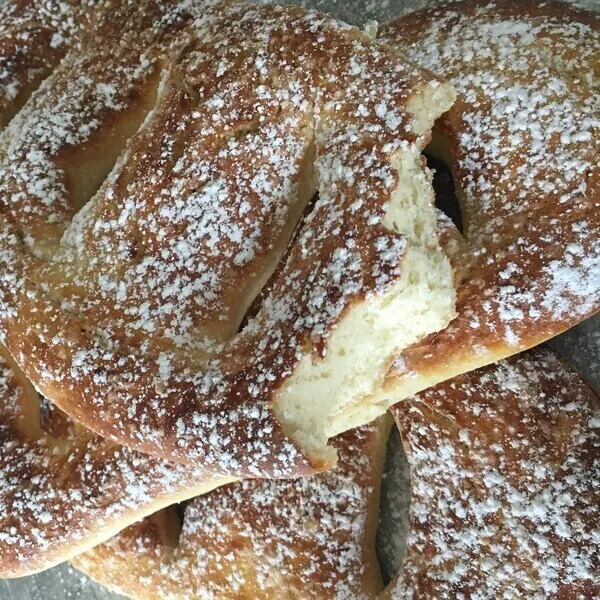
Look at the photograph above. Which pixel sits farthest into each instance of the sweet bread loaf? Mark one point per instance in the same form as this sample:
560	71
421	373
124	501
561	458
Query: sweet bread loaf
312	537
522	142
504	466
119	307
123	306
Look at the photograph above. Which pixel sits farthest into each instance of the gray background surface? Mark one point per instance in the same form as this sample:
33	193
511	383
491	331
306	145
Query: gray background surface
580	345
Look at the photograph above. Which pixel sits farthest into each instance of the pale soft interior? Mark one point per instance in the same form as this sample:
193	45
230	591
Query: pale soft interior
330	395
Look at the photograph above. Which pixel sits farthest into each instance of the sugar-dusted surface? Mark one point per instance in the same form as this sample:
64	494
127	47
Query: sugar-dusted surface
523	141
57	151
60	583
63	488
34	36
128	325
505	464
311	537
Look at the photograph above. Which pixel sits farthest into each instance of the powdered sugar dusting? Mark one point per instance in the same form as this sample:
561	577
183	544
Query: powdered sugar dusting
34	36
40	186
310	536
504	470
61	486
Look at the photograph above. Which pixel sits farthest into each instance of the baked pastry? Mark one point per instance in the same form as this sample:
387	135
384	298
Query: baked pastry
52	470
64	489
505	466
126	313
522	142
312	537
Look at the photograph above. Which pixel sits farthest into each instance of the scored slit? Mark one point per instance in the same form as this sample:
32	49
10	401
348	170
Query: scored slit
259	299
445	192
87	167
79	169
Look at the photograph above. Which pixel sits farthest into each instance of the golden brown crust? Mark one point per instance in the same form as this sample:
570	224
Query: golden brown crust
64	489
127	326
505	464
523	141
34	36
312	537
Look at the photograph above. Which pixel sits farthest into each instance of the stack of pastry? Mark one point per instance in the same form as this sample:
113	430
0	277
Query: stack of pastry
222	268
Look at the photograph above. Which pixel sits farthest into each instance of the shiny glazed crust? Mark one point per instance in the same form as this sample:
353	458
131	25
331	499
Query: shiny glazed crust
312	537
522	141
125	312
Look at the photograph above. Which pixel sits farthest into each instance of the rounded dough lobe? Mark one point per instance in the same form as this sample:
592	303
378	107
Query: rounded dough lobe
312	537
64	489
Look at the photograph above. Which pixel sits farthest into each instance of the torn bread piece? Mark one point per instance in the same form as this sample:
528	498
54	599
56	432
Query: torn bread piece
126	307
